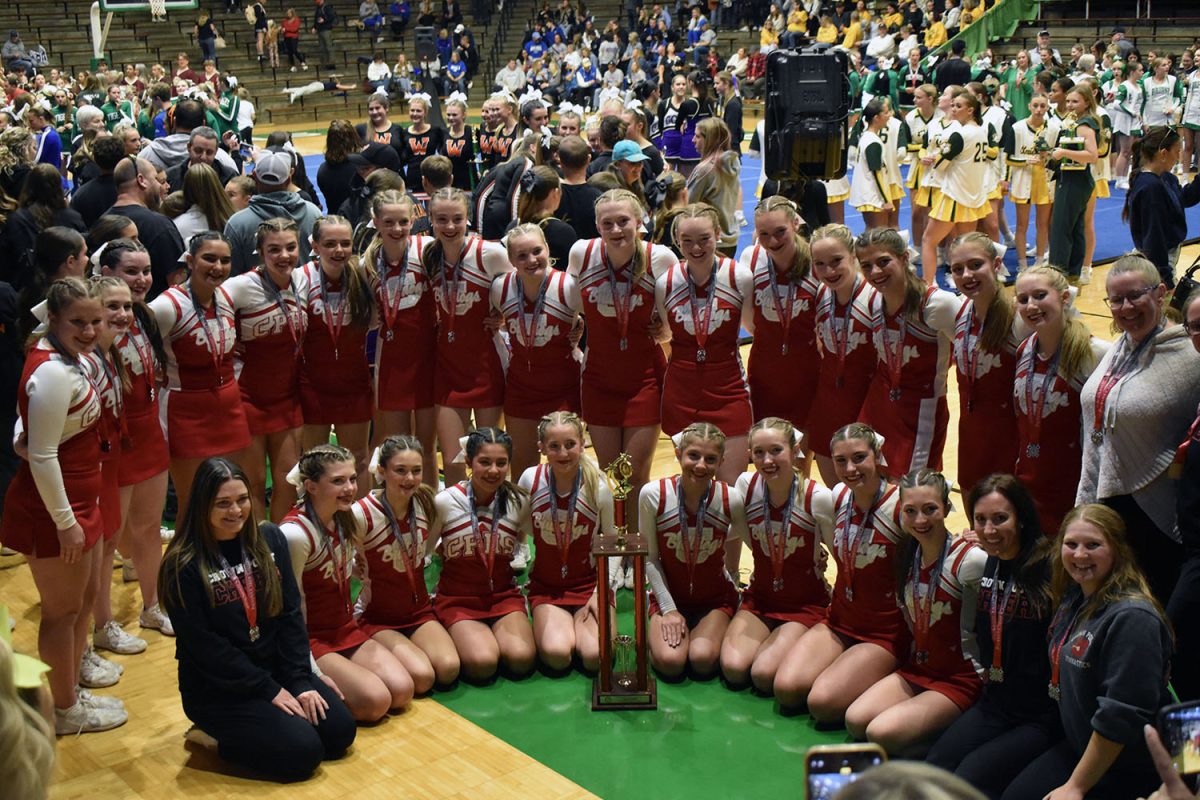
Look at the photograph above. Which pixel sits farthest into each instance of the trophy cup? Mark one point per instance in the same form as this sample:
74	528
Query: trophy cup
626	685
1070	139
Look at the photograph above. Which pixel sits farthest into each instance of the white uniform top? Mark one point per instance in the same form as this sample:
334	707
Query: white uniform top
739	292
864	186
1126	108
993	120
597	513
1157	99
935	132
1191	102
917	127
965	177
816	518
1024	148
258	312
181	328
891	151
1102	166
62	404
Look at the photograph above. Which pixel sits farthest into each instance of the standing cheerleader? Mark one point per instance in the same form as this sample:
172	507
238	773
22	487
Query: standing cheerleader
843	320
669	120
1126	112
335	392
999	124
420	139
912	327
870	190
985	347
784	314
500	140
894	145
919	123
1052	366
928	190
392	527
963	167
863	633
1028	180
272	316
539	307
459	146
697	107
570	503
142	474
687	521
52	512
319	532
1077	150
615	276
788	593
469	376
703	300
1190	117
201	409
406	349
1162	95
938	590
479	520
1101	169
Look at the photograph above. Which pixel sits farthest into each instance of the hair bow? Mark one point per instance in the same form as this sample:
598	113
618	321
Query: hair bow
634	104
529	181
456	96
374	467
570	108
504	95
461	458
530	95
296	479
421	96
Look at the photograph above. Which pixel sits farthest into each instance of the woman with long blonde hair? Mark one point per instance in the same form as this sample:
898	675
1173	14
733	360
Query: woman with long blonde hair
714	180
208	207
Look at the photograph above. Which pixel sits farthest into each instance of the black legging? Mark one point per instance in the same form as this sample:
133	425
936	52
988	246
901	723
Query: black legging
1054	767
1158	555
988	747
254	734
292	48
1184	612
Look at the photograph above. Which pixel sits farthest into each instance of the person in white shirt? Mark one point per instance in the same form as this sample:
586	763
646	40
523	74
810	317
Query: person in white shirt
511	77
379	74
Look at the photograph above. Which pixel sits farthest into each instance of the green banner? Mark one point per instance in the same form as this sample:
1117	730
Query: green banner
1000	22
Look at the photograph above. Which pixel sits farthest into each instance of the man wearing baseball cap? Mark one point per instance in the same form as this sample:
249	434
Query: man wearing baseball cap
1124	46
272	176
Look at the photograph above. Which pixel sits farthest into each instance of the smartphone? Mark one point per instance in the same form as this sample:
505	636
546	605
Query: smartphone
829	767
1179	729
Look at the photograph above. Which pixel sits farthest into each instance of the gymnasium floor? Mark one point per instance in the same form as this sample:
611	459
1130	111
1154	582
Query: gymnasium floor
531	739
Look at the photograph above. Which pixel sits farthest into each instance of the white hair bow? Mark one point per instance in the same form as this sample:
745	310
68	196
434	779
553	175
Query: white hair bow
95	257
296	479
504	95
232	81
43	104
421	96
459	96
677	440
611	93
565	108
461	458
634	104
530	94
373	466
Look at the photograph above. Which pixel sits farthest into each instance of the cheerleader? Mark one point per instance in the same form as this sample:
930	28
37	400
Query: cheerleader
539	307
843	320
1052	366
893	145
469	375
392	527
319	532
272	316
863	633
928	188
784	314
1190	117
142	474
697	107
870	189
1028	180
420	139
938	591
1126	113
917	124
912	328
668	121
406	349
477	600
1101	169
570	502
962	165
483	136
787	594
496	145
1162	95
459	145
335	392
985	346
694	597
999	126
52	512
704	300
615	277
201	409
1075	184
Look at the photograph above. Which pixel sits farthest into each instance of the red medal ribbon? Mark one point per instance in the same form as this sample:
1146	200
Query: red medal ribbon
852	544
145	356
996	615
893	358
529	335
621	307
842	342
409	555
274	293
562	537
1035	404
247	593
216	348
1117	370
1057	646
700	324
334	327
451	288
923	606
390	302
971	352
485	549
691	548
785	318
777	542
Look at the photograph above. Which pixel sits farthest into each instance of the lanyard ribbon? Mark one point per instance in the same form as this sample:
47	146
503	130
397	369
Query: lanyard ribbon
216	347
408	553
851	541
691	544
777	542
485	549
389	301
562	537
247	592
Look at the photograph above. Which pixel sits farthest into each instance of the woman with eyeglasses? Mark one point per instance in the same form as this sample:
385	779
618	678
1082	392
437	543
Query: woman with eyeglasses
1155	201
1137	407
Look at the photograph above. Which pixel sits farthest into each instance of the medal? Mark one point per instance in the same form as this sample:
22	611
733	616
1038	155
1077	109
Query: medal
562	538
389	301
621	305
1057	645
777	540
995	675
247	593
1033	450
700	322
334	320
842	333
485	550
852	540
785	316
216	348
701	355
338	555
691	544
1035	403
894	395
923	605
894	358
409	555
450	336
996	616
275	295
529	335
452	287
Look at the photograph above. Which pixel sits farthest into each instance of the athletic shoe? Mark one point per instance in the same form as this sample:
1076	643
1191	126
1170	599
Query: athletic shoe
1031	251
86	718
740	217
199	737
292	69
99	700
155	618
128	571
112	637
165	534
96	672
520	559
1009	240
1085	275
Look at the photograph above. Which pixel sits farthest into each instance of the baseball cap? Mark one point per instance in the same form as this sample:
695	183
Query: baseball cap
1118	29
377	155
273	168
628	151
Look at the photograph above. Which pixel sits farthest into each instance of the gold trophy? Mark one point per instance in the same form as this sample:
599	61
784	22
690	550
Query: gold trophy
629	686
1070	139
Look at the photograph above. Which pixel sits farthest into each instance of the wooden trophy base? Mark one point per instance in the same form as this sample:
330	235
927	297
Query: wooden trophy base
622	699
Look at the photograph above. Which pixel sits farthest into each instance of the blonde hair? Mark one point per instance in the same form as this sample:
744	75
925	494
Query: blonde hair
698	211
524	229
859	432
98	286
785	429
432	257
587	467
357	291
27	758
1077	357
838	233
380	200
701	431
997	325
639	266
801	264
889	239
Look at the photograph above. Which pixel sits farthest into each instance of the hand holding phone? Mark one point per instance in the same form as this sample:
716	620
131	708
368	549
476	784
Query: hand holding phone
828	768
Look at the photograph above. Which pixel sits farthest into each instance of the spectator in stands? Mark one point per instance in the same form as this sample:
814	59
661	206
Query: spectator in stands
535	48
827	33
132	80
402	76
881	45
371	18
935	33
290	28
201	149
173	148
467	51
399	13
451	13
139	196
955	70
951	17
16	57
510	78
1123	45
768	40
99	194
456	75
1043	42
272	175
379	76
41	205
324	18
756	76
205	31
207	206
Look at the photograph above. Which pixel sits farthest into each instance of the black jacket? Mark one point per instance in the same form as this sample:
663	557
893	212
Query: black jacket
1156	219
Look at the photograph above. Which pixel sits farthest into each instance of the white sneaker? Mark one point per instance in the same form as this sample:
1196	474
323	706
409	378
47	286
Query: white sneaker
96	672
128	572
740	217
199	737
156	619
165	534
99	700
112	637
628	582
520	559
292	69
1085	275
87	718
1009	240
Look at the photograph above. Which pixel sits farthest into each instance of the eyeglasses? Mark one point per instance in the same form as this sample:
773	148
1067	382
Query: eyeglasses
1116	302
1192	328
